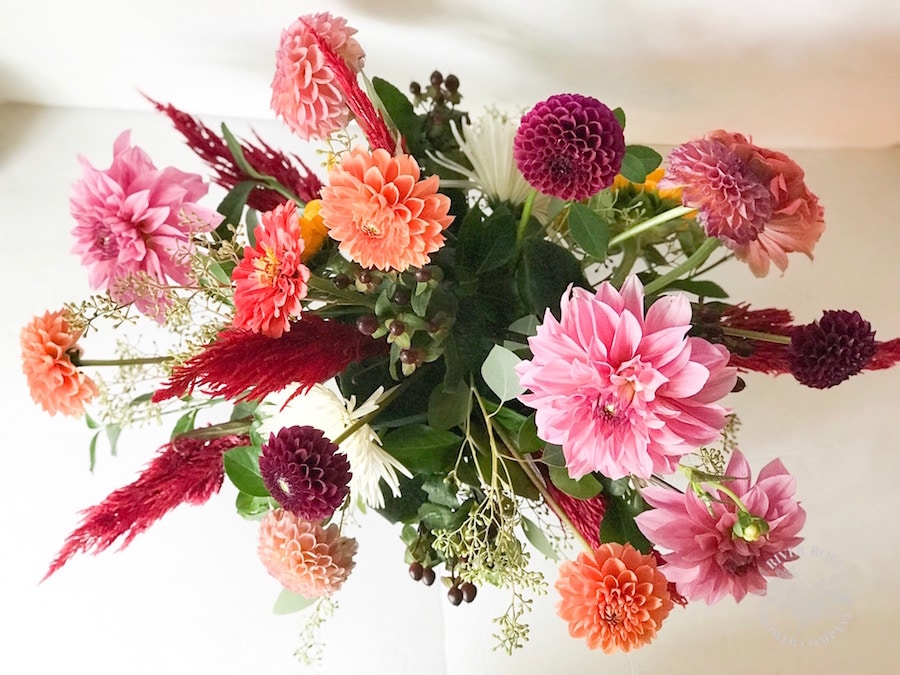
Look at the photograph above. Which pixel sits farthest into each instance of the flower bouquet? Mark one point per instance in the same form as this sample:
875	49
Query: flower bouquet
499	332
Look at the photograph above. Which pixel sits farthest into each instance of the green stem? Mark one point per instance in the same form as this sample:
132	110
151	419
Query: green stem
523	222
240	427
325	286
382	404
757	335
149	360
628	260
712	266
640	228
697	259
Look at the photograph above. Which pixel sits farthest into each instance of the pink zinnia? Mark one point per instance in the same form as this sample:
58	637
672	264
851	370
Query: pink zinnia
305	557
707	560
135	219
754	199
270	280
624	394
304	91
381	213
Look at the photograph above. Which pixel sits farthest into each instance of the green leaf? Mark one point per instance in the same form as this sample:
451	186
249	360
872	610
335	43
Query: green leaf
498	371
584	488
633	169
553	455
448	406
184	424
232	206
92	452
700	288
589	230
289	602
242	468
422	449
649	158
243	409
527	439
143	398
112	434
437	517
440	492
620	116
253	508
538	539
618	525
91	422
546	271
403	508
237	154
398	107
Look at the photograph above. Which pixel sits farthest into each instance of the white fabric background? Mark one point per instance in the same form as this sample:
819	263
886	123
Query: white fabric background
189	596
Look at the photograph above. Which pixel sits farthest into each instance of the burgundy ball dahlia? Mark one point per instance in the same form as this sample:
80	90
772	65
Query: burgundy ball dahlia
825	353
569	146
304	472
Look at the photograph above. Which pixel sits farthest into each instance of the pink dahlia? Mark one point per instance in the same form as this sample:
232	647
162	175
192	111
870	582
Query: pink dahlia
305	557
614	597
707	560
136	220
381	213
620	392
305	93
569	146
754	199
270	280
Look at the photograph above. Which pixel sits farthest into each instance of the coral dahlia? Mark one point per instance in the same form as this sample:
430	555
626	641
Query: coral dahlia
304	91
303	471
270	280
305	557
381	213
707	560
614	597
55	383
621	392
569	146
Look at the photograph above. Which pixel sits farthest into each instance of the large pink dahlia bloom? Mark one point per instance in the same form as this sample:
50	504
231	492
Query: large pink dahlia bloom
305	92
134	220
707	561
621	392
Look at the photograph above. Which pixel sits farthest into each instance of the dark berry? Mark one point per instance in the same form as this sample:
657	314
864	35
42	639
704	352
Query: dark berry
367	324
423	275
341	281
469	591
428	576
416	571
739	385
364	276
433	326
408	356
415	88
397	328
401	297
452	83
455	595
437	78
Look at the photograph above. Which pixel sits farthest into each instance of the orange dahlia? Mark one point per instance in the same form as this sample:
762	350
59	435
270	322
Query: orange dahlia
381	213
614	597
48	344
305	557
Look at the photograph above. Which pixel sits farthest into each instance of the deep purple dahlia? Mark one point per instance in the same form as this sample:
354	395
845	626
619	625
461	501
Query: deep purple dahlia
304	472
825	353
569	146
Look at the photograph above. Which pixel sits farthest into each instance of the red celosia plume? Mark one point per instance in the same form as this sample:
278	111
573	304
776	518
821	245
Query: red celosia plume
213	150
244	365
186	470
371	123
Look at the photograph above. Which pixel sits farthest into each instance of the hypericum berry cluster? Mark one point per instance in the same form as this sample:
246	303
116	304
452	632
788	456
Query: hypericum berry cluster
460	591
440	90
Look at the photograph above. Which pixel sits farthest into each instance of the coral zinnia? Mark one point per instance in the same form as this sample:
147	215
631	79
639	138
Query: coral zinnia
134	220
304	92
754	199
569	146
381	213
620	392
614	597
305	557
707	561
270	280
303	472
48	343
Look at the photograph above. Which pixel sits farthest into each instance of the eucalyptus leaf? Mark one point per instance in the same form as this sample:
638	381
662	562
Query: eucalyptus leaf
553	455
242	469
538	539
583	488
498	371
589	229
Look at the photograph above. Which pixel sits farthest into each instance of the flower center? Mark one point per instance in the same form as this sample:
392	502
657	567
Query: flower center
106	243
268	267
284	485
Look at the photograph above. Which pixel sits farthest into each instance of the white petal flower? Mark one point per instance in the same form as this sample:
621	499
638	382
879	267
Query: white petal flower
324	409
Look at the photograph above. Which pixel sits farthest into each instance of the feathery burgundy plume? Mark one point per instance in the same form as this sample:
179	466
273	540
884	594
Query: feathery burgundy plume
186	470
371	123
213	150
766	357
244	365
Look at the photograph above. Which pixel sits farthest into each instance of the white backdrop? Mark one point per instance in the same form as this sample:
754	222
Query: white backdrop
190	596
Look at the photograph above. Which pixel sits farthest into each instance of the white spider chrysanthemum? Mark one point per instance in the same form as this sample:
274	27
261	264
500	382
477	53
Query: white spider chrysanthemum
324	409
488	144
